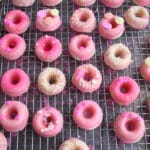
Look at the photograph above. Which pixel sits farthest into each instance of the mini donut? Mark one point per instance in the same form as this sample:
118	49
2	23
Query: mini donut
85	3
47	122
129	127
48	20
51	2
82	47
3	142
142	2
111	26
124	90
12	46
73	144
51	81
16	21
145	69
87	78
48	48
83	20
112	3
15	82
137	17
23	3
88	115
117	57
15	116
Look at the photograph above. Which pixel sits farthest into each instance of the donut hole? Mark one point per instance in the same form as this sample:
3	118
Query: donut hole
48	14
131	125
140	14
47	120
15	79
17	19
47	46
12	44
125	88
120	53
88	76
82	43
88	112
52	80
12	113
84	17
113	23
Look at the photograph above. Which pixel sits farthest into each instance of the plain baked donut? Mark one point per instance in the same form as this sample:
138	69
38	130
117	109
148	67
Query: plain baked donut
23	3
3	142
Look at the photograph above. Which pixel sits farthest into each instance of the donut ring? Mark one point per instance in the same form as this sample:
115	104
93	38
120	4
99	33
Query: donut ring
51	81
129	127
15	116
112	4
23	3
137	17
88	115
16	21
124	90
85	3
48	48
83	20
87	78
141	2
73	144
48	122
82	47
51	2
117	57
3	142
12	46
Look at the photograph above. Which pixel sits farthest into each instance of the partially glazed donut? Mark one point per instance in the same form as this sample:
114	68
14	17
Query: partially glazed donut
51	2
85	3
113	3
14	116
142	2
23	3
3	142
129	127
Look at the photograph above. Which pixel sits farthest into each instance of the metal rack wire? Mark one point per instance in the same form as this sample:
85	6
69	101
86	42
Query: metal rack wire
102	138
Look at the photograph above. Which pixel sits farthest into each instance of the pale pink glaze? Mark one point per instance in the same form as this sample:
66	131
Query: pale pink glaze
82	47
23	3
83	20
16	21
142	2
84	2
129	127
145	69
48	122
12	46
124	90
15	82
73	144
137	17
48	48
109	28
51	2
88	115
46	21
3	142
87	78
14	116
112	3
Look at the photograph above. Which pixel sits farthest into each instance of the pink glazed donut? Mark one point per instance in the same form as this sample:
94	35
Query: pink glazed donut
48	48
88	115
51	2
145	69
15	82
3	142
112	3
83	20
48	20
16	21
23	3
82	47
87	78
111	26
12	46
129	127
124	90
48	122
85	3
15	116
142	2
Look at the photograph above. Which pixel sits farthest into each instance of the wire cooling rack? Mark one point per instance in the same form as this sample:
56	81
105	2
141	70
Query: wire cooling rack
102	138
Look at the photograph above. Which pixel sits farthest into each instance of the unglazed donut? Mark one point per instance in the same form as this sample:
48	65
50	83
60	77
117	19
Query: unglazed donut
124	90
3	142
82	47
142	2
87	78
48	48
48	20
145	69
113	3
23	3
129	127
16	21
117	57
12	46
47	122
85	3
51	2
15	116
15	82
137	17
73	144
111	26
83	20
88	115
51	81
